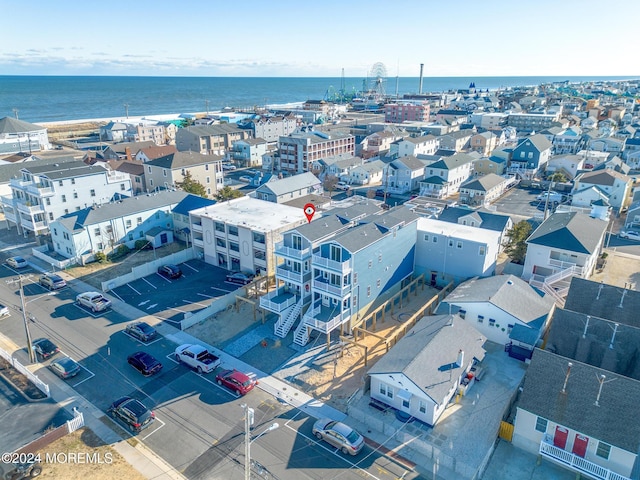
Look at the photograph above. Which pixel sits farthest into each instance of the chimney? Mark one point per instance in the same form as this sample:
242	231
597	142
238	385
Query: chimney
460	360
566	377
421	70
127	152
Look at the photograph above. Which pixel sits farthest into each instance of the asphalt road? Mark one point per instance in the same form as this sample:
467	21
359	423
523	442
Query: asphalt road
199	427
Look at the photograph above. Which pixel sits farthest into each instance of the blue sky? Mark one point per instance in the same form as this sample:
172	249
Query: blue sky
319	38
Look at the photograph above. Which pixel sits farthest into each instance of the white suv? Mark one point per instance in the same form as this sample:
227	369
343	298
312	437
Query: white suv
342	186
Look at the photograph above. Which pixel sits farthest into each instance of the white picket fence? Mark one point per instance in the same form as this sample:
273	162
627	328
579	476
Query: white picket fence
43	387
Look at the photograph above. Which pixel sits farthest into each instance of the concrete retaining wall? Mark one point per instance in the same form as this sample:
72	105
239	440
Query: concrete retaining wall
218	305
147	269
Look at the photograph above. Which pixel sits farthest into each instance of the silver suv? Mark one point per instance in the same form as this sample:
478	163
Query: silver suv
52	281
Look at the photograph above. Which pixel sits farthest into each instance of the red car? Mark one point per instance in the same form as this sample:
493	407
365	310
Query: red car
236	381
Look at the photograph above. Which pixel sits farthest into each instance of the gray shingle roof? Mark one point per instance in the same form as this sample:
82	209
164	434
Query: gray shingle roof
10	125
508	293
454	161
213	130
321	228
183	160
290	184
412	163
124	207
484	183
604	301
9	171
60	171
576	409
538	140
571	231
432	343
601	177
490	221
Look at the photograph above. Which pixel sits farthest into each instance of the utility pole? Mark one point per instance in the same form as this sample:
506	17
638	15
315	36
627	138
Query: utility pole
19	281
126	110
206	103
15	112
248	421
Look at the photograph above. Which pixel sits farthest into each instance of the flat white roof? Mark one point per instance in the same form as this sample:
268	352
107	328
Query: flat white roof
253	213
455	230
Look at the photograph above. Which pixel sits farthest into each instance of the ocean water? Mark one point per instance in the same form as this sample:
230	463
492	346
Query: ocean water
56	98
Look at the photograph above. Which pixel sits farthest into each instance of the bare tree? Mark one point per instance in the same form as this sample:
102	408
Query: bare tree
371	193
330	182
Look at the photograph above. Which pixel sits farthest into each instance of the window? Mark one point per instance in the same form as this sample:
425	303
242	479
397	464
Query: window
51	216
459	245
122	187
378	283
64	199
405	403
66	210
434	239
379	258
208	180
296	242
451	242
233	230
139	220
369	291
258	237
492	322
370	263
141	234
422	407
48	201
131	237
99	246
603	450
221	243
355	277
462	313
55	232
383	389
233	246
128	223
60	183
390	392
92	192
219	227
77	209
75	194
482	251
149	171
509	328
480	318
541	424
164	172
426	238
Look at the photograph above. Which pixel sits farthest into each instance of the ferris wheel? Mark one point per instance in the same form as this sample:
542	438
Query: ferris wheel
377	79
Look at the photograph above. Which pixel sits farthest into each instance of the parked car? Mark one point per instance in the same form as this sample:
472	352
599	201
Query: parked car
19	471
245	178
380	192
240	278
141	330
197	357
17	262
339	435
553	197
45	348
4	310
170	271
145	363
236	381
132	412
52	281
228	167
342	186
94	301
630	235
65	368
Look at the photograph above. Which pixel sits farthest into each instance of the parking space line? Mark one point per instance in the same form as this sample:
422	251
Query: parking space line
128	285
195	303
221	289
207	296
84	368
215	384
336	452
157	420
194	269
138	340
164	278
116	295
176	309
172	357
93	314
149	283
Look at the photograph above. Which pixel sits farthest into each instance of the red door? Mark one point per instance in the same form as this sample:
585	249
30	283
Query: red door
560	438
580	445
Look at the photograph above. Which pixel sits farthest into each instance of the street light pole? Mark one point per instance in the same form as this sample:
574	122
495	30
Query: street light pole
248	421
19	280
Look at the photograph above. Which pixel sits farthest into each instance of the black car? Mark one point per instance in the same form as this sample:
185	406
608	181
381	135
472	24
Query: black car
170	271
132	412
141	330
380	192
240	278
143	362
45	348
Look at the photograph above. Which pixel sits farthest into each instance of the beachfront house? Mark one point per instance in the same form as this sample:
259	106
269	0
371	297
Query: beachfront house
428	366
168	171
40	194
495	305
103	228
17	136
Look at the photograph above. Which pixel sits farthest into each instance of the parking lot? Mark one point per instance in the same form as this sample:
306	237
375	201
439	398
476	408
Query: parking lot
521	203
170	299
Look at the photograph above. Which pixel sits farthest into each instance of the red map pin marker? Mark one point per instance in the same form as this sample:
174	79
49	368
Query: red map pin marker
309	211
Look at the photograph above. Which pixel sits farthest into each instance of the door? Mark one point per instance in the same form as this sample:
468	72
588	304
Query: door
580	445
560	437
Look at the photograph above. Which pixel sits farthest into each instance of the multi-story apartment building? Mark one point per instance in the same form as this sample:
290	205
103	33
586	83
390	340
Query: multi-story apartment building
409	111
332	270
444	177
104	228
209	139
271	128
298	150
413	146
489	120
43	193
166	172
150	132
530	122
241	234
249	152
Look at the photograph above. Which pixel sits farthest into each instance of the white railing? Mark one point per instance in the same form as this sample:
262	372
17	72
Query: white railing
284	251
554	262
327	287
561	275
301	335
576	463
34	226
198	242
39	190
43	387
29	209
197	227
283	325
310	320
113	177
342	267
267	302
284	273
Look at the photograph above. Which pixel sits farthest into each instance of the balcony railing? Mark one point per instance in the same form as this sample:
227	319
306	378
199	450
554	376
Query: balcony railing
283	251
114	177
576	463
321	285
7	200
342	267
284	273
198	242
267	301
39	189
33	226
29	209
324	326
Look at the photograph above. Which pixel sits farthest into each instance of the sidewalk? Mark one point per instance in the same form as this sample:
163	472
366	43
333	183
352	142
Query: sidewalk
155	467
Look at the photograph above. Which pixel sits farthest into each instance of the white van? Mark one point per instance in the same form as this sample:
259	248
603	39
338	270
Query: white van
553	197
